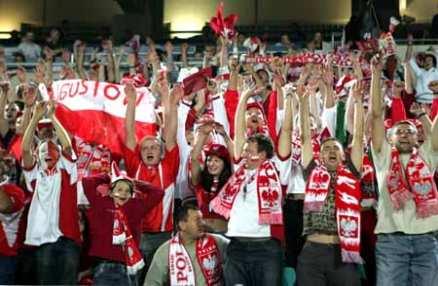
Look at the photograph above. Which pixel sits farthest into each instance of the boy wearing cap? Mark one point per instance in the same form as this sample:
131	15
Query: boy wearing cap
117	207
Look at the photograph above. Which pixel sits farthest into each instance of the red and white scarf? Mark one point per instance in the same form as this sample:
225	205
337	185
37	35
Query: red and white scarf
181	269
415	182
268	191
122	236
369	196
296	147
347	202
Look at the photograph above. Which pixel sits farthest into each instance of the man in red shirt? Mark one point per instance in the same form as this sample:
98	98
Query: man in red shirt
155	161
53	223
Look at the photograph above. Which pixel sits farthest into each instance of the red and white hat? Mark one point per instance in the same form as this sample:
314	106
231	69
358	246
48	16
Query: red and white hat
44	123
117	174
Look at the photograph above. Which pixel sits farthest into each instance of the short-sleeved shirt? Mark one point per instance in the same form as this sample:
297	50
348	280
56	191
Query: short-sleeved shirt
55	203
158	274
404	220
324	221
244	215
169	165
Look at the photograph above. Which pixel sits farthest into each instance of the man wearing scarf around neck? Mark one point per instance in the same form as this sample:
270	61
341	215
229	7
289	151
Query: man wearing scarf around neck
407	213
192	257
331	204
252	201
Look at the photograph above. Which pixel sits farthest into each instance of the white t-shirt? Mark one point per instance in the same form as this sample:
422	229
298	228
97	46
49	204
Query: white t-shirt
244	215
44	211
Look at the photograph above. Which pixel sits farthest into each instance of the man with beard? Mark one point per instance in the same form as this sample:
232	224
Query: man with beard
53	223
407	222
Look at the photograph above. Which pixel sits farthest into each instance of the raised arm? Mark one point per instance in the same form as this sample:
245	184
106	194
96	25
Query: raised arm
223	57
240	124
49	64
377	125
61	133
203	133
434	132
284	141
78	52
26	144
421	115
29	96
184	48
358	130
111	62
4	126
170	101
219	128
306	139
131	96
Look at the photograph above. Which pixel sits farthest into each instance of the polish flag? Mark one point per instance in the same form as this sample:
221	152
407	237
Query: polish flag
95	111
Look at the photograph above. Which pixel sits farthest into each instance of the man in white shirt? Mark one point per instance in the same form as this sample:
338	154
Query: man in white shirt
423	76
407	213
28	48
252	201
53	222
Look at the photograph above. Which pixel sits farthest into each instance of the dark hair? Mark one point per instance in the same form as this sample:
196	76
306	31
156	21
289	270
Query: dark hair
207	178
264	143
183	212
131	185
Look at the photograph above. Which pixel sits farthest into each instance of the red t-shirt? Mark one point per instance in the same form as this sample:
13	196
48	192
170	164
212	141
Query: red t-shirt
9	227
160	218
101	217
204	198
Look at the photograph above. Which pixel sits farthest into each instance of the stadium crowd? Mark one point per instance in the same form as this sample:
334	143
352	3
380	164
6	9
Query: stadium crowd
314	167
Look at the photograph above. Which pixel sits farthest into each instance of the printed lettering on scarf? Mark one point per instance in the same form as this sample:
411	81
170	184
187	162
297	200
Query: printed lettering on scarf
181	270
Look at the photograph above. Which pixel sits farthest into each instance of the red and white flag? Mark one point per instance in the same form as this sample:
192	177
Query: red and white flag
95	111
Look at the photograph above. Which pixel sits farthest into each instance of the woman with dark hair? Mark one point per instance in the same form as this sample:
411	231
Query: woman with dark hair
209	177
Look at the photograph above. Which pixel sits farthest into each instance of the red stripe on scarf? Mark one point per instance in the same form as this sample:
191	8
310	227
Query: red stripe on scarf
347	201
269	193
413	182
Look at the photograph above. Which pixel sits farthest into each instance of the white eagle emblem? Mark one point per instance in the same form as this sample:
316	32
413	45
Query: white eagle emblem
209	263
348	227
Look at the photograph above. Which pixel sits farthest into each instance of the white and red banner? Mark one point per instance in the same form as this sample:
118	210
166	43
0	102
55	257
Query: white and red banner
95	111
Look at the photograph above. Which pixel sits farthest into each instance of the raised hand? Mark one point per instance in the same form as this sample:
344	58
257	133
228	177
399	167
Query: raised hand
21	74
130	92
29	95
417	109
377	63
40	109
176	94
51	106
433	86
357	91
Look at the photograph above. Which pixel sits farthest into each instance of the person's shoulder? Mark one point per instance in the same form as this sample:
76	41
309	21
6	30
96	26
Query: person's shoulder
163	250
220	239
